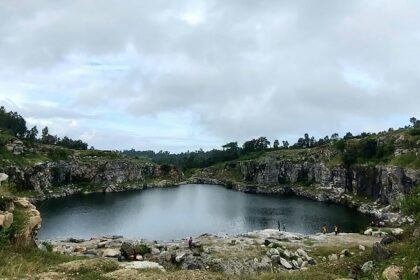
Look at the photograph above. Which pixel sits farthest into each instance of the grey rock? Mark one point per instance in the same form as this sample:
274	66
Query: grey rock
367	267
285	264
388	240
380	252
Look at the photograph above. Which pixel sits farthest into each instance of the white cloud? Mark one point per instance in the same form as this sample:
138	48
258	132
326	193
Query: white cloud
172	74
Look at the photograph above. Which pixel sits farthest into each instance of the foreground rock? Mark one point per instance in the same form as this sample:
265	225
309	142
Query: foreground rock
252	253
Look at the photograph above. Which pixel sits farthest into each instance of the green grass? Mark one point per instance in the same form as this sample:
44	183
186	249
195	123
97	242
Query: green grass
7	158
409	160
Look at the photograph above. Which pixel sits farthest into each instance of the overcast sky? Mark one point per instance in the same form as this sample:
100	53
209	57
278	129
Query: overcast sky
183	75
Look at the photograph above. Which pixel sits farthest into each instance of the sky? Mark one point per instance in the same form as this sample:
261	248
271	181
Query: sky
184	75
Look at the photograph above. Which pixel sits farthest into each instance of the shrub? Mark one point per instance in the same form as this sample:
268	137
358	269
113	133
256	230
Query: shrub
410	205
142	249
414	131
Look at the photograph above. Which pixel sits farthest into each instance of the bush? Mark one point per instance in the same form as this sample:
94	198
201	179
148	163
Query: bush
410	205
142	249
59	154
414	131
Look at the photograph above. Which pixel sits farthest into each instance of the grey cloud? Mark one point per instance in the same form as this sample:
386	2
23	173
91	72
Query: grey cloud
248	68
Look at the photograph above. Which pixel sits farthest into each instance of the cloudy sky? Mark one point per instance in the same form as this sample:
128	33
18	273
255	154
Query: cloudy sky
183	75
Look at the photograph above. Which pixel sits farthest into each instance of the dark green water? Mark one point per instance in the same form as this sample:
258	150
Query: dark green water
189	210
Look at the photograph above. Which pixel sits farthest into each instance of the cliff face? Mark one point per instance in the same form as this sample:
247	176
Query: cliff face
386	183
100	174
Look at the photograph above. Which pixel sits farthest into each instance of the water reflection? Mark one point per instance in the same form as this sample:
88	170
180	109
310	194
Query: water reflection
188	210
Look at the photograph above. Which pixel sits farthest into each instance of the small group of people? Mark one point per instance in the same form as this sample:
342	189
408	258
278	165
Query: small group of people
378	224
336	229
279	226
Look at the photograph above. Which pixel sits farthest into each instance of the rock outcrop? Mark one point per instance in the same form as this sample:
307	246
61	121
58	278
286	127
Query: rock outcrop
54	179
25	227
386	183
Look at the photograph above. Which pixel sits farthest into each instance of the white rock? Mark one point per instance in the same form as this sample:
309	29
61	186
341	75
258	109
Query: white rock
333	257
285	264
300	261
302	253
111	253
368	232
139	257
397	231
295	264
155	251
180	258
361	247
287	254
392	272
367	267
273	251
142	265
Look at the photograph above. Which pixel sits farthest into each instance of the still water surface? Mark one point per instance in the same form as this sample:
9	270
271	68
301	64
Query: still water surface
188	210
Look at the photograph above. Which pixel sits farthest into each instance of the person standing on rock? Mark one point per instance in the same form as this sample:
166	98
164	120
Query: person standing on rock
190	242
324	229
279	225
284	227
336	230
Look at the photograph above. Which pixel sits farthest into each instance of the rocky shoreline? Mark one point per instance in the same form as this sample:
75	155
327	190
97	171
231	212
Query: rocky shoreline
251	253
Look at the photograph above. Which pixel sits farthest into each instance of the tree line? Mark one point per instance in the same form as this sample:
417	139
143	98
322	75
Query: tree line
15	124
366	149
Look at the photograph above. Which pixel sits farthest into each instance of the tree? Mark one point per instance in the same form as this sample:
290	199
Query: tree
13	123
45	133
32	134
285	144
415	122
231	146
348	135
276	144
334	137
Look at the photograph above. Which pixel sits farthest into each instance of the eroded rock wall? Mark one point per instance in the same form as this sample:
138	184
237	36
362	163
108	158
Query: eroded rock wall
102	173
386	183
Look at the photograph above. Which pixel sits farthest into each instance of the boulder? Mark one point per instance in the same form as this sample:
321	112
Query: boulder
127	250
139	257
362	248
416	270
179	258
267	242
155	251
302	253
416	233
368	232
285	264
112	253
392	272
345	253
333	257
286	253
142	265
388	240
397	232
311	261
6	219
272	251
380	252
367	267
3	177
295	264
275	258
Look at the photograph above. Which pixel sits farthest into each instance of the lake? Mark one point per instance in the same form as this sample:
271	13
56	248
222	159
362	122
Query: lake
188	210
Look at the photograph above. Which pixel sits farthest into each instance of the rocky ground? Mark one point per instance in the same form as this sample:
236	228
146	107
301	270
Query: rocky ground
263	251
